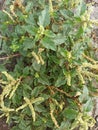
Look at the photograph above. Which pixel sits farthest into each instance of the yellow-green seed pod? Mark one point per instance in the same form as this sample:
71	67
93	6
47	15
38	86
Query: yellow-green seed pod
36	57
68	79
31	107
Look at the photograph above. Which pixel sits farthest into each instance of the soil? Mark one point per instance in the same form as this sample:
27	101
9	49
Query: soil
1	4
3	125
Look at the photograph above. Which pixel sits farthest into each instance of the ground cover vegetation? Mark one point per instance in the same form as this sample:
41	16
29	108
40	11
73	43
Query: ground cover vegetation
48	64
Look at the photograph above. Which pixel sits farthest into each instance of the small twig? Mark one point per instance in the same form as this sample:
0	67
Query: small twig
61	91
52	92
8	57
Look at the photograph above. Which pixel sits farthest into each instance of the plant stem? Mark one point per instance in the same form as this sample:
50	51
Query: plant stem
8	57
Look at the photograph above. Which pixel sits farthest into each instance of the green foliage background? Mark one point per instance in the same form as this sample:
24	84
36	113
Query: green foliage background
49	64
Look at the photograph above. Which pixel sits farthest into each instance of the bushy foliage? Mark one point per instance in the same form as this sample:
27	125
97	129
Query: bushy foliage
49	64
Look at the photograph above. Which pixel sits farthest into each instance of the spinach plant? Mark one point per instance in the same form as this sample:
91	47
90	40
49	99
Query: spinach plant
48	64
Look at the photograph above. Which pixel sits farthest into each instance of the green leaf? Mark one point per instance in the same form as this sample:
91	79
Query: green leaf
36	66
2	67
66	13
22	125
44	80
72	103
29	7
17	97
40	108
63	52
44	18
28	44
40	128
55	27
28	128
45	96
59	39
37	90
48	43
79	32
78	49
38	122
81	8
70	113
26	87
15	128
26	71
19	30
88	106
30	29
50	34
85	95
54	59
65	125
60	81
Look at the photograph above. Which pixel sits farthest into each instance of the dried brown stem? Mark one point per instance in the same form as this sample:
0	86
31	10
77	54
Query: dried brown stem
61	91
8	57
